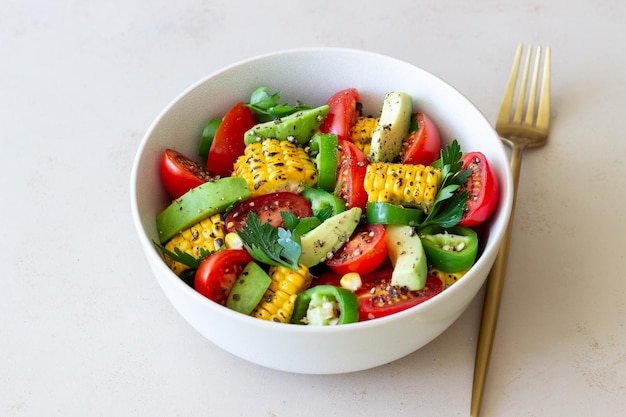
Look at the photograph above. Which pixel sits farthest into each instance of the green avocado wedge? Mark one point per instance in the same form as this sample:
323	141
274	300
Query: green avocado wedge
299	126
407	255
328	237
199	203
248	289
393	127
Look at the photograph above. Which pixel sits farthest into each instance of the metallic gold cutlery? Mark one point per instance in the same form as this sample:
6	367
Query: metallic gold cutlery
524	125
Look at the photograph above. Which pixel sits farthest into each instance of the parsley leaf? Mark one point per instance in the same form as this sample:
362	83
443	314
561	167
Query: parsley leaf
266	106
183	257
291	249
449	204
324	213
298	226
268	244
290	220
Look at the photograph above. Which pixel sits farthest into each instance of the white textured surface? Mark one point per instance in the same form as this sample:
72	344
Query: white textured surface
87	331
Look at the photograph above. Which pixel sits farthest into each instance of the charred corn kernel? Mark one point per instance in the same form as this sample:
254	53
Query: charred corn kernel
351	281
361	133
233	241
275	165
278	301
447	278
403	184
208	234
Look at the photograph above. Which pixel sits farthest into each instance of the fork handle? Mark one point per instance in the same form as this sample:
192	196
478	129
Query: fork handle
493	295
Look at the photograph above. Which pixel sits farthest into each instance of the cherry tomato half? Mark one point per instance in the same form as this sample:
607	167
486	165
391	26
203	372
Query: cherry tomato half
483	188
228	142
351	168
423	144
217	273
363	253
180	174
268	208
378	298
342	113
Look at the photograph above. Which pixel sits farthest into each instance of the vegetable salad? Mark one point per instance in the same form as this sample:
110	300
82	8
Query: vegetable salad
322	215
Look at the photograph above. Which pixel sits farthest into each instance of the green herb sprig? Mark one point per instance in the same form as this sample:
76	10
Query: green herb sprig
449	204
299	226
268	244
267	107
183	257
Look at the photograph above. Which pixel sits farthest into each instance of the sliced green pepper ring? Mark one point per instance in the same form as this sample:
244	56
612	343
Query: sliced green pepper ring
324	149
326	305
208	134
450	250
321	200
387	213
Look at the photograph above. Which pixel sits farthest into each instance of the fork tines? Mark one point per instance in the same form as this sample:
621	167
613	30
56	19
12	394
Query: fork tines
531	109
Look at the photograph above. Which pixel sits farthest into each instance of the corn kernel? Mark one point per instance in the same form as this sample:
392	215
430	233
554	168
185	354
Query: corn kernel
233	241
351	281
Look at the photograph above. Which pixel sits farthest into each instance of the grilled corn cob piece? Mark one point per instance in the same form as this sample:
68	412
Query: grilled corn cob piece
361	133
207	234
403	184
275	165
447	278
278	301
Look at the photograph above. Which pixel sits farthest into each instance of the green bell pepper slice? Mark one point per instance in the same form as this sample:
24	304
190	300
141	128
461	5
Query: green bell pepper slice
324	149
208	134
325	305
322	201
387	213
450	250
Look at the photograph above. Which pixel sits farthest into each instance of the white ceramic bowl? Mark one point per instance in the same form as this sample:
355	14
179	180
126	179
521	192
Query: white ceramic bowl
312	75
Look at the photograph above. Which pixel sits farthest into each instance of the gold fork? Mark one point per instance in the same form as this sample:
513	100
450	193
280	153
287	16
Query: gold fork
526	125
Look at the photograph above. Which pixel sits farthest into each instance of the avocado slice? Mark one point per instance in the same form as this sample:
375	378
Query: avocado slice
407	255
199	203
299	126
392	128
328	237
248	289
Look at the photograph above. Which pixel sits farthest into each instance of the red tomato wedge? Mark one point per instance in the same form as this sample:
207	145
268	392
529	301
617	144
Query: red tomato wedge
342	113
268	208
217	273
424	144
180	174
377	298
483	188
228	142
363	253
351	168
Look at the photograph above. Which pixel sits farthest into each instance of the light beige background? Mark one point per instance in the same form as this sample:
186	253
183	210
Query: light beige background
87	332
